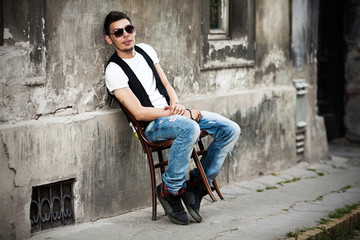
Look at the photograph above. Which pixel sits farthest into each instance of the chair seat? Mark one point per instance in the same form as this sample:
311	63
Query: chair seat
156	146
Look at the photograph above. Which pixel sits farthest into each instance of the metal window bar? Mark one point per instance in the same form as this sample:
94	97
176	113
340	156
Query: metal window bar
52	206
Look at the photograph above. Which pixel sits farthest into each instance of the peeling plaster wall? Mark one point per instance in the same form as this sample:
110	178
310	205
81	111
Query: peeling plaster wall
99	150
56	123
264	145
272	41
86	147
73	54
50	59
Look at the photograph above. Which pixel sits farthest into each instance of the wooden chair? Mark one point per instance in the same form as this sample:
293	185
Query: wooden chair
150	147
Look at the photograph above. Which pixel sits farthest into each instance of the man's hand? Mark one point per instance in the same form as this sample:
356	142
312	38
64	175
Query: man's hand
195	114
176	109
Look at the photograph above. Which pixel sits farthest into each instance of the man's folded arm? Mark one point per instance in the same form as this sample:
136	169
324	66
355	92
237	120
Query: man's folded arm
131	102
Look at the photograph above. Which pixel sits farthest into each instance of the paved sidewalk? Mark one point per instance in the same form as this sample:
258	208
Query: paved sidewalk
312	191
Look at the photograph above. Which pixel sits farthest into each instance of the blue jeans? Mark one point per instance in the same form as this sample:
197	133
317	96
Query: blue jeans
185	133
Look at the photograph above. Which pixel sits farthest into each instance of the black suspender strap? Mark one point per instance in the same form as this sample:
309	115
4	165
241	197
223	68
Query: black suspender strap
159	84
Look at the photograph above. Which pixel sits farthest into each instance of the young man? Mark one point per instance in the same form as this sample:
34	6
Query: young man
135	77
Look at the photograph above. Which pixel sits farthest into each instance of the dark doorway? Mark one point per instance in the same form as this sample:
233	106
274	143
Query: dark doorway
331	79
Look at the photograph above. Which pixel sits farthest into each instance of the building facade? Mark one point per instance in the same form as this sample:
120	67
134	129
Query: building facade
66	149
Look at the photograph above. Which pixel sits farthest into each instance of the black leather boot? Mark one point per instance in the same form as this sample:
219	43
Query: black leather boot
172	204
195	191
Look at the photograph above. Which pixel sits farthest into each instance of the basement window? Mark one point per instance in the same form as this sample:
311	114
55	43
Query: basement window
52	206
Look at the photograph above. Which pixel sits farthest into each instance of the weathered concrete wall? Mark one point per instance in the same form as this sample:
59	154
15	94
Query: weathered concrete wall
52	62
56	124
264	146
352	71
99	150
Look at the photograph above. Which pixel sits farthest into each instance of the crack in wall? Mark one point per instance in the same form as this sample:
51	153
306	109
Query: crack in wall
6	150
62	109
12	169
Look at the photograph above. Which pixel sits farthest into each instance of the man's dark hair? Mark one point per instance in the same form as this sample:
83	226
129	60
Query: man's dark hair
113	16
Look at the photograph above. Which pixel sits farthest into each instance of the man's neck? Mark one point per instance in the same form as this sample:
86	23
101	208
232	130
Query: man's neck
126	54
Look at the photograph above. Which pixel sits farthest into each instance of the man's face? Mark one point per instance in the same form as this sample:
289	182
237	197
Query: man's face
126	42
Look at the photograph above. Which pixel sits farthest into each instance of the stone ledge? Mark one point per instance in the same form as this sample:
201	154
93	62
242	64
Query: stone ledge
337	226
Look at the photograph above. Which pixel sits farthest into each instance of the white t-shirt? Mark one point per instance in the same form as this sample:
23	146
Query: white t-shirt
116	78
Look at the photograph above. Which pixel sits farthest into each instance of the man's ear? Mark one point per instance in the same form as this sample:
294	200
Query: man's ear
108	39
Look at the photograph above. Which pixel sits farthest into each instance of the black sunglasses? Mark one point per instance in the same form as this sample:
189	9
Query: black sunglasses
120	31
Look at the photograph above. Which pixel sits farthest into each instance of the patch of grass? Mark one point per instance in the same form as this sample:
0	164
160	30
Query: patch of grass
275	174
324	229
285	210
315	171
334	234
319	198
288	181
344	189
297	231
304	229
340	212
292	234
335	167
266	188
270	187
324	221
234	229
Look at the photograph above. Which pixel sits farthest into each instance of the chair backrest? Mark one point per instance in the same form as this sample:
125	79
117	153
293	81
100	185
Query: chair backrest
136	126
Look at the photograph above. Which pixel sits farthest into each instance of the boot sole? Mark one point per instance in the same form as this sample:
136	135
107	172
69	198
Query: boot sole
165	207
193	214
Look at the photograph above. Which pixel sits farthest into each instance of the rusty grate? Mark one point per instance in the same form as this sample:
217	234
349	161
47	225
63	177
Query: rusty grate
52	206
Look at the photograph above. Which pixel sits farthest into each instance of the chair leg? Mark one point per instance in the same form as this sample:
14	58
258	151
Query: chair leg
217	189
153	184
154	204
202	174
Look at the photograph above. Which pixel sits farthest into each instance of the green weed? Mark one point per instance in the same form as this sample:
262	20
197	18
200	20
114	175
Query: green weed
324	221
289	181
319	198
344	189
340	212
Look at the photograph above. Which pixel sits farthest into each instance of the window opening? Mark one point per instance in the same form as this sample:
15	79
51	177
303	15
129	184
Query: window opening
219	19
52	206
228	34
